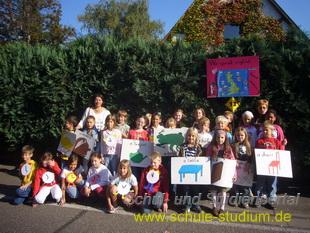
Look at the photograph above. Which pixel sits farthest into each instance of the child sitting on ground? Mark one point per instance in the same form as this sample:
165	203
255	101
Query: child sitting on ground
27	170
154	184
121	186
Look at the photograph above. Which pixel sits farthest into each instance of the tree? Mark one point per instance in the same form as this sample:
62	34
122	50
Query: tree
122	19
32	21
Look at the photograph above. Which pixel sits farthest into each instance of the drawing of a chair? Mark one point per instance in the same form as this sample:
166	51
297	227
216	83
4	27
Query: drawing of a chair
190	169
275	163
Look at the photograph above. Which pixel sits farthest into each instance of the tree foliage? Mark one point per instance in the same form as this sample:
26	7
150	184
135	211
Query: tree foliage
122	19
205	22
32	21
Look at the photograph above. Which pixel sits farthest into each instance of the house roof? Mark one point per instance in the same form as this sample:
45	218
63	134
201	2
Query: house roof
273	2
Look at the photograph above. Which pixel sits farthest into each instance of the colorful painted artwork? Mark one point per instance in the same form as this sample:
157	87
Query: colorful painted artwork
233	77
222	172
245	174
137	152
190	170
273	163
80	143
168	141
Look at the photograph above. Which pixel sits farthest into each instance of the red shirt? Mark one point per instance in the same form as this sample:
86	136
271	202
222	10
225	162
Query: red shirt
38	181
135	135
161	185
269	143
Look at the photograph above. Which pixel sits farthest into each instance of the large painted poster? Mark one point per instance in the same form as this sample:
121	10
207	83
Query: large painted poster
273	163
190	170
233	77
168	141
78	142
137	152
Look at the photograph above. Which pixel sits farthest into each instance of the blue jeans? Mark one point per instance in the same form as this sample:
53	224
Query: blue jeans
111	163
268	183
74	192
22	195
156	201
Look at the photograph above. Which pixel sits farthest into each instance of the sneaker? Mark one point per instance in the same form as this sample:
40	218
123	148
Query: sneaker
215	212
271	206
158	210
246	205
115	207
187	210
197	209
111	211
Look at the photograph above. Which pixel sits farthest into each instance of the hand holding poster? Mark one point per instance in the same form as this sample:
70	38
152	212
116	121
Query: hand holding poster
273	163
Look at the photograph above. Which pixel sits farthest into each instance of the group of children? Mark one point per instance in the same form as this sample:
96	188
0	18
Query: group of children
110	178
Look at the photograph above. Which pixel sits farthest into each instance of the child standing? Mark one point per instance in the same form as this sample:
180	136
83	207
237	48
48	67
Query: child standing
91	129
220	124
111	143
27	171
178	115
170	123
219	148
204	135
198	113
230	117
121	123
275	119
247	122
128	181
139	133
72	179
70	126
191	148
98	177
154	184
267	182
46	180
243	152
155	124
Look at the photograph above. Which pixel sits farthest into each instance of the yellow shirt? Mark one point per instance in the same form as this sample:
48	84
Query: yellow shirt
28	175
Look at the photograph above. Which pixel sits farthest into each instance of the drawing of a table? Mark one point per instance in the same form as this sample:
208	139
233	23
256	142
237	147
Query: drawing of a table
190	169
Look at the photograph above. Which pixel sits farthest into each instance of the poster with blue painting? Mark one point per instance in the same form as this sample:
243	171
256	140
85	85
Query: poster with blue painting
233	83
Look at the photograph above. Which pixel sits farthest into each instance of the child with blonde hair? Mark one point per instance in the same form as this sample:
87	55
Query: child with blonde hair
221	123
179	117
121	123
205	137
170	123
191	148
198	113
124	185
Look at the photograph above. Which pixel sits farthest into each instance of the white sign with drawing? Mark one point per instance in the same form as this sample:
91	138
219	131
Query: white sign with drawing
190	170
245	174
222	172
137	152
273	163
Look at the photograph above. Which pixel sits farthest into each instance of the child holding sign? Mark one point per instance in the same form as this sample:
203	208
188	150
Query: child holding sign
154	186
72	178
121	186
267	182
27	170
46	180
191	148
219	148
243	153
98	177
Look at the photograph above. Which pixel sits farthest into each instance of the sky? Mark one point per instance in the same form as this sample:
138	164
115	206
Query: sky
169	11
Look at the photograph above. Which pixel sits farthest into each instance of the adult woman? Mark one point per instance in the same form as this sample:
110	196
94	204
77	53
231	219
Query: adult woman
98	111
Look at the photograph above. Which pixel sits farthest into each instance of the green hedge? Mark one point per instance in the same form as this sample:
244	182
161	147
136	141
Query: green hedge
40	85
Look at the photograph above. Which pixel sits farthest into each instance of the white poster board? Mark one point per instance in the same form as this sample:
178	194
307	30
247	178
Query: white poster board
273	163
168	141
137	152
245	174
78	142
190	170
222	172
